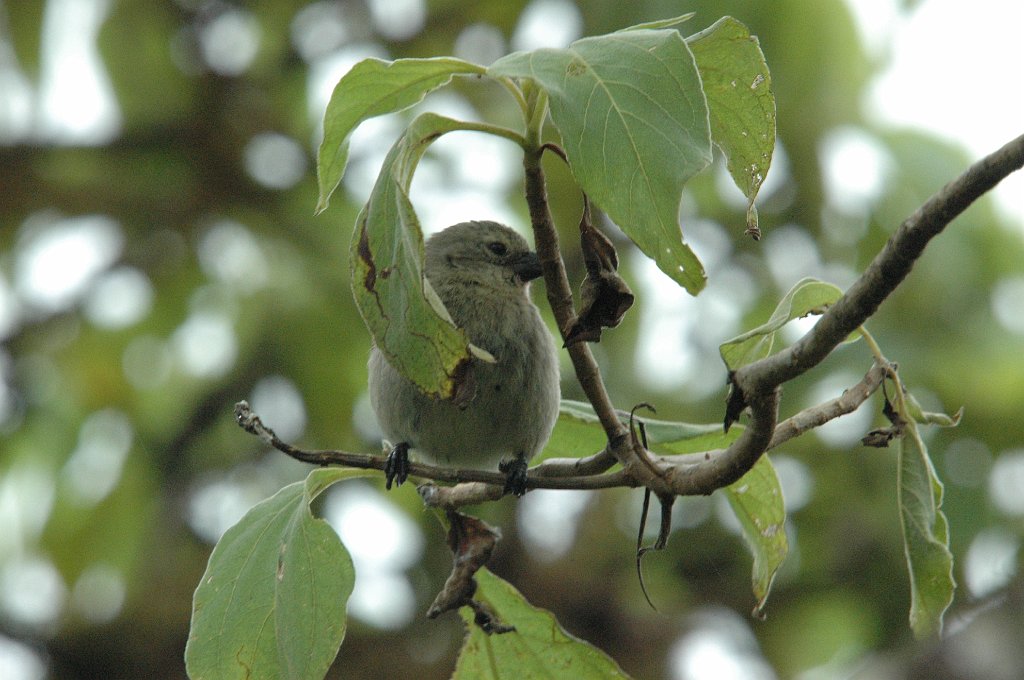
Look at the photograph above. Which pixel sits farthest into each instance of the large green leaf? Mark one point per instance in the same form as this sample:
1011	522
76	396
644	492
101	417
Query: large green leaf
757	500
925	536
538	648
272	601
371	88
738	87
406	318
578	432
808	296
634	123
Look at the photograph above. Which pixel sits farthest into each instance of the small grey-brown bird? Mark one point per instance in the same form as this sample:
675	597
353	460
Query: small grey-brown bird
481	271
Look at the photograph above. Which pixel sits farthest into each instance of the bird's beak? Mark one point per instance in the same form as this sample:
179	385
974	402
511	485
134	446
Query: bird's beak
526	266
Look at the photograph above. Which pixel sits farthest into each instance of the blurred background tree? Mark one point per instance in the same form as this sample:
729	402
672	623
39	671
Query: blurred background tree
159	261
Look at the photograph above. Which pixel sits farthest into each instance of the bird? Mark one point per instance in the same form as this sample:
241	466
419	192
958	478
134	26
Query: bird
481	271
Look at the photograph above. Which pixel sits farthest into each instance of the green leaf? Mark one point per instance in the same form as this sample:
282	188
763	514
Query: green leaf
538	648
738	87
578	433
272	601
634	123
757	500
925	536
661	23
403	313
919	415
808	296
371	88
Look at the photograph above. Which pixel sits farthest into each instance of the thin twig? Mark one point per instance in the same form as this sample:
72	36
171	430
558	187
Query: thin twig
816	416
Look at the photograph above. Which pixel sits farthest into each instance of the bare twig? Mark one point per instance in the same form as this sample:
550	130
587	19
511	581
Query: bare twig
816	416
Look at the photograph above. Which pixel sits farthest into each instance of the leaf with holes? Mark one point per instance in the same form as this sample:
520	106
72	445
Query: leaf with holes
756	499
738	86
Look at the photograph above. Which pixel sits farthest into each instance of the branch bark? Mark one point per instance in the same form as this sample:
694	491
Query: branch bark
757	383
889	268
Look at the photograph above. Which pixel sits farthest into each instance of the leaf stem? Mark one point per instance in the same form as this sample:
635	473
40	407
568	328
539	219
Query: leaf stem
496	130
517	94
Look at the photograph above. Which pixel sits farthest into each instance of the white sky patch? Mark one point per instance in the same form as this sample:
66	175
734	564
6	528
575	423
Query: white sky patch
847	431
76	98
480	44
796	480
548	520
398	19
319	28
230	42
94	467
720	646
383	543
205	345
991	561
99	594
26	500
19	661
955	72
1008	303
280	404
856	168
1006	481
119	298
16	96
547	23
32	592
57	259
274	160
228	252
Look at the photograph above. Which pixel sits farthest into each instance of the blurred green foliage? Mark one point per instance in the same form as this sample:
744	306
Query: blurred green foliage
119	459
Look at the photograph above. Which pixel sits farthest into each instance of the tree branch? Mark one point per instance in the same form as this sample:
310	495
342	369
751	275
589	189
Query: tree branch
758	380
816	416
884	274
758	383
560	298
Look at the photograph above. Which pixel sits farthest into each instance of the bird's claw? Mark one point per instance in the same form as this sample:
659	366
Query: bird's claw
515	475
396	467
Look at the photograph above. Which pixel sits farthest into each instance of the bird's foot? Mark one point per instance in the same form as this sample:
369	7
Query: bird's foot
515	475
396	467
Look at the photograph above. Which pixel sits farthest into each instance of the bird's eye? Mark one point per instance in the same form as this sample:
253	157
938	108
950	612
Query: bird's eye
498	248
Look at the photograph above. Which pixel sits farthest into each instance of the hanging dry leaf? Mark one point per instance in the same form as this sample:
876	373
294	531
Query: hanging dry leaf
604	295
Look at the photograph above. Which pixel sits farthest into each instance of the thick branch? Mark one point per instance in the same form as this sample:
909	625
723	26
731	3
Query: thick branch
884	274
758	380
